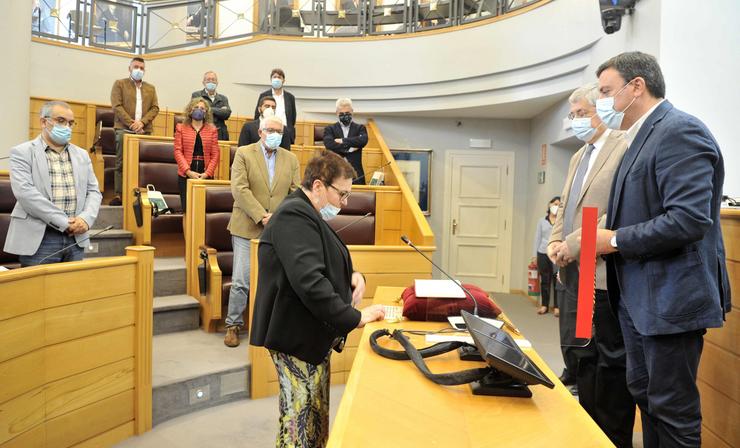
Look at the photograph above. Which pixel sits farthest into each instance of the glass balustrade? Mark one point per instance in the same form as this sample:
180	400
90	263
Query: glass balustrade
149	26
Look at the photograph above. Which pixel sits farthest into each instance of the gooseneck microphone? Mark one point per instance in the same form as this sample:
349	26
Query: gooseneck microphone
408	242
379	168
75	243
354	222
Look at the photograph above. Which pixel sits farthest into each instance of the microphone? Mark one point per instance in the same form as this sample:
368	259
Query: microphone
379	168
408	242
75	243
354	222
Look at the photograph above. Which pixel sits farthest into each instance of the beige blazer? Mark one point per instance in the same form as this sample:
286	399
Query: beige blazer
595	193
123	101
253	196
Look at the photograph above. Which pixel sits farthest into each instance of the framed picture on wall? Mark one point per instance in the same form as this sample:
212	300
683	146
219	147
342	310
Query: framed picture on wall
416	167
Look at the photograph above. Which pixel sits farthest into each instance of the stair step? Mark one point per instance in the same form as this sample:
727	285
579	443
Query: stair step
194	370
169	276
110	215
112	243
175	313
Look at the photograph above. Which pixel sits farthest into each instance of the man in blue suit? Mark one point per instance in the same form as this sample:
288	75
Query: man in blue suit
666	273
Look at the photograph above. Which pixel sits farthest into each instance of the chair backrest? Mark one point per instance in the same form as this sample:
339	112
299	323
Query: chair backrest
7	202
157	166
104	114
219	203
177	119
318	134
232	154
350	225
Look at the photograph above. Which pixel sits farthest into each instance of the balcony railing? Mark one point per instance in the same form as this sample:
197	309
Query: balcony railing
140	27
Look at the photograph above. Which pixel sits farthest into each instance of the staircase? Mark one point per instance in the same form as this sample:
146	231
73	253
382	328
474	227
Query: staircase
191	369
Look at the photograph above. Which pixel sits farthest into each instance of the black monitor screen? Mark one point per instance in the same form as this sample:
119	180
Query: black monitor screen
502	353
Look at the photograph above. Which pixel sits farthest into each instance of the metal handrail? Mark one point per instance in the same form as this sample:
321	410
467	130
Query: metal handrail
141	27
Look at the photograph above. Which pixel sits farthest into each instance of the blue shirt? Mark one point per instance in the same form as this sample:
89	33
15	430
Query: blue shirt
270	161
541	238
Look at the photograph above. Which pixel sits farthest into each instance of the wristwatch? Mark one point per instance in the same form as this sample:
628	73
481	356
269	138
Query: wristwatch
613	240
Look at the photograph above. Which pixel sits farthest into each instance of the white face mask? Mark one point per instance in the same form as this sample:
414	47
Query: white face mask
554	209
268	112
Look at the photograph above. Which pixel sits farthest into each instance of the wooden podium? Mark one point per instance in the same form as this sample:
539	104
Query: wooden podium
391	404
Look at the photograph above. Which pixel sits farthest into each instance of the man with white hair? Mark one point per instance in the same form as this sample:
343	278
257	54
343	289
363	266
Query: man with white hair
598	365
218	102
262	175
347	138
56	191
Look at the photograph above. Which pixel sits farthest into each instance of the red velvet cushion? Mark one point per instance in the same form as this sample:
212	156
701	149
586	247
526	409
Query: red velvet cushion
434	309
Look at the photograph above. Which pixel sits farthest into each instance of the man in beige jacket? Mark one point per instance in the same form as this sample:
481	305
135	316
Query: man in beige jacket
262	175
598	365
135	106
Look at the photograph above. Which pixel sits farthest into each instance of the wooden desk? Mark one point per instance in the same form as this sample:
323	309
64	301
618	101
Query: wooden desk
389	403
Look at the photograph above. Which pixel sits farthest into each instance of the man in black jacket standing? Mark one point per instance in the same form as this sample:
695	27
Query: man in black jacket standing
219	103
250	131
347	138
285	106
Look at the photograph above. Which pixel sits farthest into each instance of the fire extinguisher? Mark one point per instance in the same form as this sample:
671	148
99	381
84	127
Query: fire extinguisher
533	279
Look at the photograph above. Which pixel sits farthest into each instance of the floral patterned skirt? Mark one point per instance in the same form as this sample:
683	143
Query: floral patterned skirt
304	402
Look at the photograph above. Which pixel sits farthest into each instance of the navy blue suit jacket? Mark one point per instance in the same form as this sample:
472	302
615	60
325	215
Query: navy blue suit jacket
665	200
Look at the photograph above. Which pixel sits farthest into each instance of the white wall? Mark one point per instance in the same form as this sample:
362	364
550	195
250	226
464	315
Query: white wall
14	115
699	51
441	135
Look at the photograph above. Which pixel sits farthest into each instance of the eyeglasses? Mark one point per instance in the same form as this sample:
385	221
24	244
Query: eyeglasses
343	195
580	114
271	131
62	121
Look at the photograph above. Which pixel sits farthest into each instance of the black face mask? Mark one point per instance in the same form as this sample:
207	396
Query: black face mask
345	118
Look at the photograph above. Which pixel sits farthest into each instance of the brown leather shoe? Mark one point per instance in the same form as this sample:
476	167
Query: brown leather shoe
232	337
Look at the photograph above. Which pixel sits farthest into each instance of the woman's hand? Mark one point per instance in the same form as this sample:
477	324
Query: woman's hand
371	314
192	174
358	288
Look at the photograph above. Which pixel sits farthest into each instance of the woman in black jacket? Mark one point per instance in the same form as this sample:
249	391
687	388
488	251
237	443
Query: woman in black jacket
306	293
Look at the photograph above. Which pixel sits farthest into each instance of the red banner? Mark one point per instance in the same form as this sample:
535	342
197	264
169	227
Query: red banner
587	276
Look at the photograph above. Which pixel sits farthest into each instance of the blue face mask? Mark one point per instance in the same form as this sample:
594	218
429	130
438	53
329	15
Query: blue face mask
272	141
605	109
276	83
211	86
329	211
61	134
582	129
137	74
198	114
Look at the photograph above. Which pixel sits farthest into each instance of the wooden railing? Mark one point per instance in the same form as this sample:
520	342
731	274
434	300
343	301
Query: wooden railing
76	358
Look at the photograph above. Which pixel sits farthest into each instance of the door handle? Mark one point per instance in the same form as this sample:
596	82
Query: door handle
454	226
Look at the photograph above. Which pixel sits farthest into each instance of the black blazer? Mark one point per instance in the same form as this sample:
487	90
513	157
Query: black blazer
664	205
220	115
303	302
290	115
250	133
356	138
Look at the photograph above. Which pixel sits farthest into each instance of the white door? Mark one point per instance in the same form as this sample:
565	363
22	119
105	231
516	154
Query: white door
477	231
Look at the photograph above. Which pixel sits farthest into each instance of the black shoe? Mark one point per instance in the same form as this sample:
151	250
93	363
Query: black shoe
116	201
567	379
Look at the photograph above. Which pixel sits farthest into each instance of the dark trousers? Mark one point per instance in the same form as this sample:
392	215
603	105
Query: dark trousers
182	184
600	363
547	278
661	375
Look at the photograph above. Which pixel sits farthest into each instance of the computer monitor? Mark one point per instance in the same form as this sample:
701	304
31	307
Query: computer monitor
503	354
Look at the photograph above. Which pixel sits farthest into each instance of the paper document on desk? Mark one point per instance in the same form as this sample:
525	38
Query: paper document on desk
444	289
